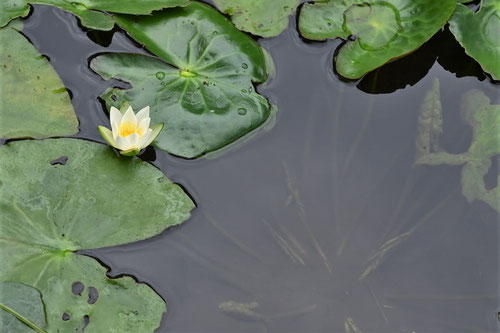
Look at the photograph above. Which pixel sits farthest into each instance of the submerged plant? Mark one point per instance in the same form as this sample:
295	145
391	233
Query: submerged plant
484	118
130	132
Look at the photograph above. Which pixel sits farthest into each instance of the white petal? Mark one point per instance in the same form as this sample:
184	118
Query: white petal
129	116
142	114
144	125
122	143
115	130
115	116
133	140
145	138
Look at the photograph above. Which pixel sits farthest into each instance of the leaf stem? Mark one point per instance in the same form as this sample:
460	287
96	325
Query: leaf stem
21	318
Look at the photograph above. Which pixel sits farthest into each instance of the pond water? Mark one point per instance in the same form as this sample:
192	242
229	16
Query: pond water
291	218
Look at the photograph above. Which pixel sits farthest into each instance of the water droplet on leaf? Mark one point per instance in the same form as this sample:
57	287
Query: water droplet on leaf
160	75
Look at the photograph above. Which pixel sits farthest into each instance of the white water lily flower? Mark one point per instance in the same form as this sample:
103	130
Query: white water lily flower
130	132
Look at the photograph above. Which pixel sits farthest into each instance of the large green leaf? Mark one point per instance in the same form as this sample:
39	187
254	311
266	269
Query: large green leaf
479	34
485	121
89	11
58	196
260	17
201	88
381	30
21	309
33	100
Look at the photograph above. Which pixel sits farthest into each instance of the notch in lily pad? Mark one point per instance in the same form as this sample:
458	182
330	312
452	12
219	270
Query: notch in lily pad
130	133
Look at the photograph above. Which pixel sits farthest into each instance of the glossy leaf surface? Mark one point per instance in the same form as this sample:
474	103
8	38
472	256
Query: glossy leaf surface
479	34
201	88
378	31
62	195
33	100
90	12
259	17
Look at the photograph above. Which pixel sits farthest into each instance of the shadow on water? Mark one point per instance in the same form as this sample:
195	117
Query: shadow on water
323	221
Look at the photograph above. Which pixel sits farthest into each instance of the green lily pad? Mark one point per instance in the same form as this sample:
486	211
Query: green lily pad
479	33
201	88
21	308
58	196
34	102
381	30
485	121
90	12
260	17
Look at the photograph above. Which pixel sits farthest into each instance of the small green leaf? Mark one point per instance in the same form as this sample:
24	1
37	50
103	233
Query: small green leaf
21	309
479	33
58	196
202	89
260	17
90	12
33	100
381	30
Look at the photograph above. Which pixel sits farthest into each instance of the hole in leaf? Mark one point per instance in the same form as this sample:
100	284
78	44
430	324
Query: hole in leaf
86	321
491	178
66	316
93	295
60	161
77	288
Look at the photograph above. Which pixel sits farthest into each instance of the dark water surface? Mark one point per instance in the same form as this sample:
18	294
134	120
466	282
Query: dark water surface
291	218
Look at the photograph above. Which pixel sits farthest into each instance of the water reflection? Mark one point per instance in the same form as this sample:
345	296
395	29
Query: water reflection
295	218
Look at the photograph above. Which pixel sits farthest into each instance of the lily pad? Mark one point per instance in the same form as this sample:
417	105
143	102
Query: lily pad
260	17
479	33
21	308
58	196
376	31
90	12
201	88
485	121
33	100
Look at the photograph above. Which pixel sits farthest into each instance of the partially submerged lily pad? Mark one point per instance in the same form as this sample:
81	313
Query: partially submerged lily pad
90	12
201	88
34	102
479	34
21	308
260	17
484	118
58	196
376	31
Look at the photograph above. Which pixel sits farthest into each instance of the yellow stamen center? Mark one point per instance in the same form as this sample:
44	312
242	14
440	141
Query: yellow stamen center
128	128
